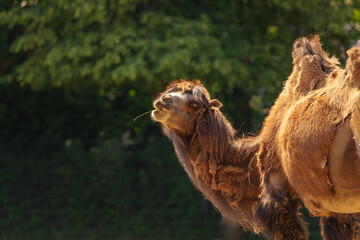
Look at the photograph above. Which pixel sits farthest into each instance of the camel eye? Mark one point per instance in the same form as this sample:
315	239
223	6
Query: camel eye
167	99
194	105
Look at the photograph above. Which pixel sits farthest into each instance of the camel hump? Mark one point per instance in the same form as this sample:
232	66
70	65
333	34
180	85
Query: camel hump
311	46
353	62
311	65
307	46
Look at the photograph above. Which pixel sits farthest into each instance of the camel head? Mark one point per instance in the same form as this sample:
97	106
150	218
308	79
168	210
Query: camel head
181	105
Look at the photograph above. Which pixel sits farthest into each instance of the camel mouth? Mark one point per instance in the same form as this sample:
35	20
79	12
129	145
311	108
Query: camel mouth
161	108
161	112
160	115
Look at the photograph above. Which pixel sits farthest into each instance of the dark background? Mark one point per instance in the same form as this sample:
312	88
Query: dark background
75	73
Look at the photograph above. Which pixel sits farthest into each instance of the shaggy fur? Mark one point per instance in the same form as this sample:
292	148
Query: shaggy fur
318	146
340	226
311	68
308	148
220	165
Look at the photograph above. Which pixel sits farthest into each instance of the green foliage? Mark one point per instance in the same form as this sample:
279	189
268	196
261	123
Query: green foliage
60	181
72	43
75	73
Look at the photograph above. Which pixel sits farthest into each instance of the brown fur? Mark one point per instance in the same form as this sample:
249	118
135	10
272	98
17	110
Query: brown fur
305	145
340	226
331	105
220	165
294	151
311	68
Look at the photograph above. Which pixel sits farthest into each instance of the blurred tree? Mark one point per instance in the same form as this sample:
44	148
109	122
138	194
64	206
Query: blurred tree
74	74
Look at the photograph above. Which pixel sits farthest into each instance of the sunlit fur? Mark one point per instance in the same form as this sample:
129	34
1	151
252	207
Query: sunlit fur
304	141
318	143
220	165
277	209
311	131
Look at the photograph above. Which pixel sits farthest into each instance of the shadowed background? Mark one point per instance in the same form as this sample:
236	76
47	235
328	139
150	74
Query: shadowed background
75	73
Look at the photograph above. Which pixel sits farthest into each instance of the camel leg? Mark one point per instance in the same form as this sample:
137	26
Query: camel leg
278	211
340	226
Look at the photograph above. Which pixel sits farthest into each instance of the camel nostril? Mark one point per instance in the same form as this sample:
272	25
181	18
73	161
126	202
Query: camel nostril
157	103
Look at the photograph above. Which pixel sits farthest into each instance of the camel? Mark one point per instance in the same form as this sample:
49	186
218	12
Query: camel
274	158
318	146
229	171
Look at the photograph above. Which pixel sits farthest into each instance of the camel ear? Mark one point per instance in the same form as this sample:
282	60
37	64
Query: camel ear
215	103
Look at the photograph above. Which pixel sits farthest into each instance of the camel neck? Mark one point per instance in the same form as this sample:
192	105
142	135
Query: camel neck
215	138
218	157
219	182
